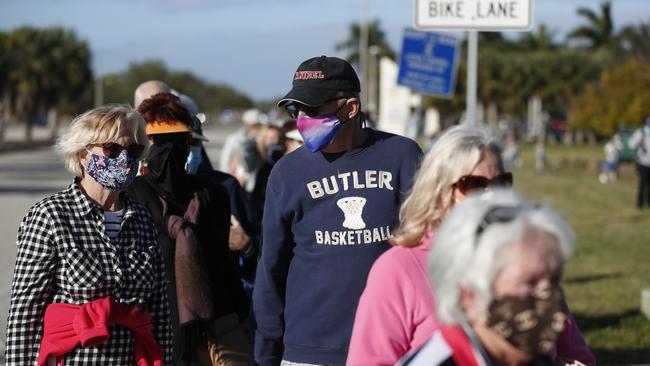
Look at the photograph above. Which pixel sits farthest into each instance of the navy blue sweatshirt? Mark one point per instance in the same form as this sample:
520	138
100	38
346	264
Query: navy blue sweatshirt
327	217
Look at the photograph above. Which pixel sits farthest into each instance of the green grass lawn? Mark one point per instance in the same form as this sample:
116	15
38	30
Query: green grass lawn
603	280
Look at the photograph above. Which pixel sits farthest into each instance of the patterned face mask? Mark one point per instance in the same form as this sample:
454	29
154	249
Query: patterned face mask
114	174
531	323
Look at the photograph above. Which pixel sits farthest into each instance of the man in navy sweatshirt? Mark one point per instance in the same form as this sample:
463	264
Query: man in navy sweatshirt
330	208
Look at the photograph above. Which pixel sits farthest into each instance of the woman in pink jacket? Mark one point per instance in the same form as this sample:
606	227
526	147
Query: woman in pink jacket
396	310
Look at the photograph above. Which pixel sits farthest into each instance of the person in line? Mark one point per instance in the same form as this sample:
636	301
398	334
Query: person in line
192	216
396	312
244	236
292	138
494	267
270	145
89	283
148	88
640	141
330	209
239	156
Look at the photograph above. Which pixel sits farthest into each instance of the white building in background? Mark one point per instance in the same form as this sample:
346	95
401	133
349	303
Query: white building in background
398	104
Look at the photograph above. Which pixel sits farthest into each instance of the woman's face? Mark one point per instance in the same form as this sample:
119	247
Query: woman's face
124	139
530	266
488	167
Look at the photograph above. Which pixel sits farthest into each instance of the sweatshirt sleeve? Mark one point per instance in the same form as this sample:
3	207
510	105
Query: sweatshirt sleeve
271	278
383	323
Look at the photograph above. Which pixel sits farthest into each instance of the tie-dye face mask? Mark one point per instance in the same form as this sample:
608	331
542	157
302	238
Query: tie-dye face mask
318	131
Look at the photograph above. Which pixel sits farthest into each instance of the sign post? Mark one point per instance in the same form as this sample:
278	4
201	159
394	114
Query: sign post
473	16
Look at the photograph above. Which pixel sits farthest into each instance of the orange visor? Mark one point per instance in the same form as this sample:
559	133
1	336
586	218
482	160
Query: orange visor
158	127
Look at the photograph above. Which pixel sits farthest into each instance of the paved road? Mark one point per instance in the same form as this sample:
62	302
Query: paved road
25	178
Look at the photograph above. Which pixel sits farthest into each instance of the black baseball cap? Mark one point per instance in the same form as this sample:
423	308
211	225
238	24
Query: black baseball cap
320	79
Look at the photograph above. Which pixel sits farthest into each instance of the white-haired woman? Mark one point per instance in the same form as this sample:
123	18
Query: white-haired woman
88	286
396	310
494	266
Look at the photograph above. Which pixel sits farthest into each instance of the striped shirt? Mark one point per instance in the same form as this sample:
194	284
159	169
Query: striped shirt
113	222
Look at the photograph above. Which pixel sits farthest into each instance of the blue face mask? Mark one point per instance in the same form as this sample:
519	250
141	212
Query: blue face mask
194	159
114	174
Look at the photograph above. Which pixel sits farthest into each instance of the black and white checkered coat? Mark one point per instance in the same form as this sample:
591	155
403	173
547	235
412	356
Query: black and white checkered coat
65	256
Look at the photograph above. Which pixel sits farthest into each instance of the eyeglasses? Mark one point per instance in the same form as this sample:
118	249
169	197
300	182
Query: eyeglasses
113	149
293	108
470	183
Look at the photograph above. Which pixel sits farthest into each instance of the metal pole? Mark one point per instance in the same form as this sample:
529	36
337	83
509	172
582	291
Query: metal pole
99	91
472	65
363	52
372	80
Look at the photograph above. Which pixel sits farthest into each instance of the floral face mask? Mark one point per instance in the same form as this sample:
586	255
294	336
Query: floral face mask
114	174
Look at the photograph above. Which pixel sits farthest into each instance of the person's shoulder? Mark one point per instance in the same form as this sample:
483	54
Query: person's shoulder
59	203
220	178
396	260
293	160
394	141
138	184
210	191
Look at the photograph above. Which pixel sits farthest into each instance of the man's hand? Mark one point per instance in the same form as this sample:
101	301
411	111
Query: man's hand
238	240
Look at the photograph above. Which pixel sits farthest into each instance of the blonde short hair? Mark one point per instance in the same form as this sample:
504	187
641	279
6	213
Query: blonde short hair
455	154
97	126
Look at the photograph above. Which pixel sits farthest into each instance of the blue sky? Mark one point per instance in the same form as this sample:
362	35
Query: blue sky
252	45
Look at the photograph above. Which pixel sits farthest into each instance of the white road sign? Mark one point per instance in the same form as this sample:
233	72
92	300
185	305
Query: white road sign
481	15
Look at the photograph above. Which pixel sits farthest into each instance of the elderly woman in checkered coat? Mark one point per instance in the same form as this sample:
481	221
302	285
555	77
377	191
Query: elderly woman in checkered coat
89	283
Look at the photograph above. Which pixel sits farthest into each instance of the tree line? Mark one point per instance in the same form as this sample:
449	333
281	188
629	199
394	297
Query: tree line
597	79
46	76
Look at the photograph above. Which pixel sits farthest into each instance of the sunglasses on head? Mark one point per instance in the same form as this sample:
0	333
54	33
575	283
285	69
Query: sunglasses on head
470	183
499	215
113	149
293	108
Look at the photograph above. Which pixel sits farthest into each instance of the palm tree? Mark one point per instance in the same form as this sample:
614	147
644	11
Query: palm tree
376	37
599	30
542	39
43	68
636	40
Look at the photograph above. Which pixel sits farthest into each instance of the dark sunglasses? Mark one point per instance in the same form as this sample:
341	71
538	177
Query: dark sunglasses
113	149
293	108
470	183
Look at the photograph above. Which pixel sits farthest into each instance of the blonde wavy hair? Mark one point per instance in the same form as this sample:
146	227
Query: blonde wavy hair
456	153
98	126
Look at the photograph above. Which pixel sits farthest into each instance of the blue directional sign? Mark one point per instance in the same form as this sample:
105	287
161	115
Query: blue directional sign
428	62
